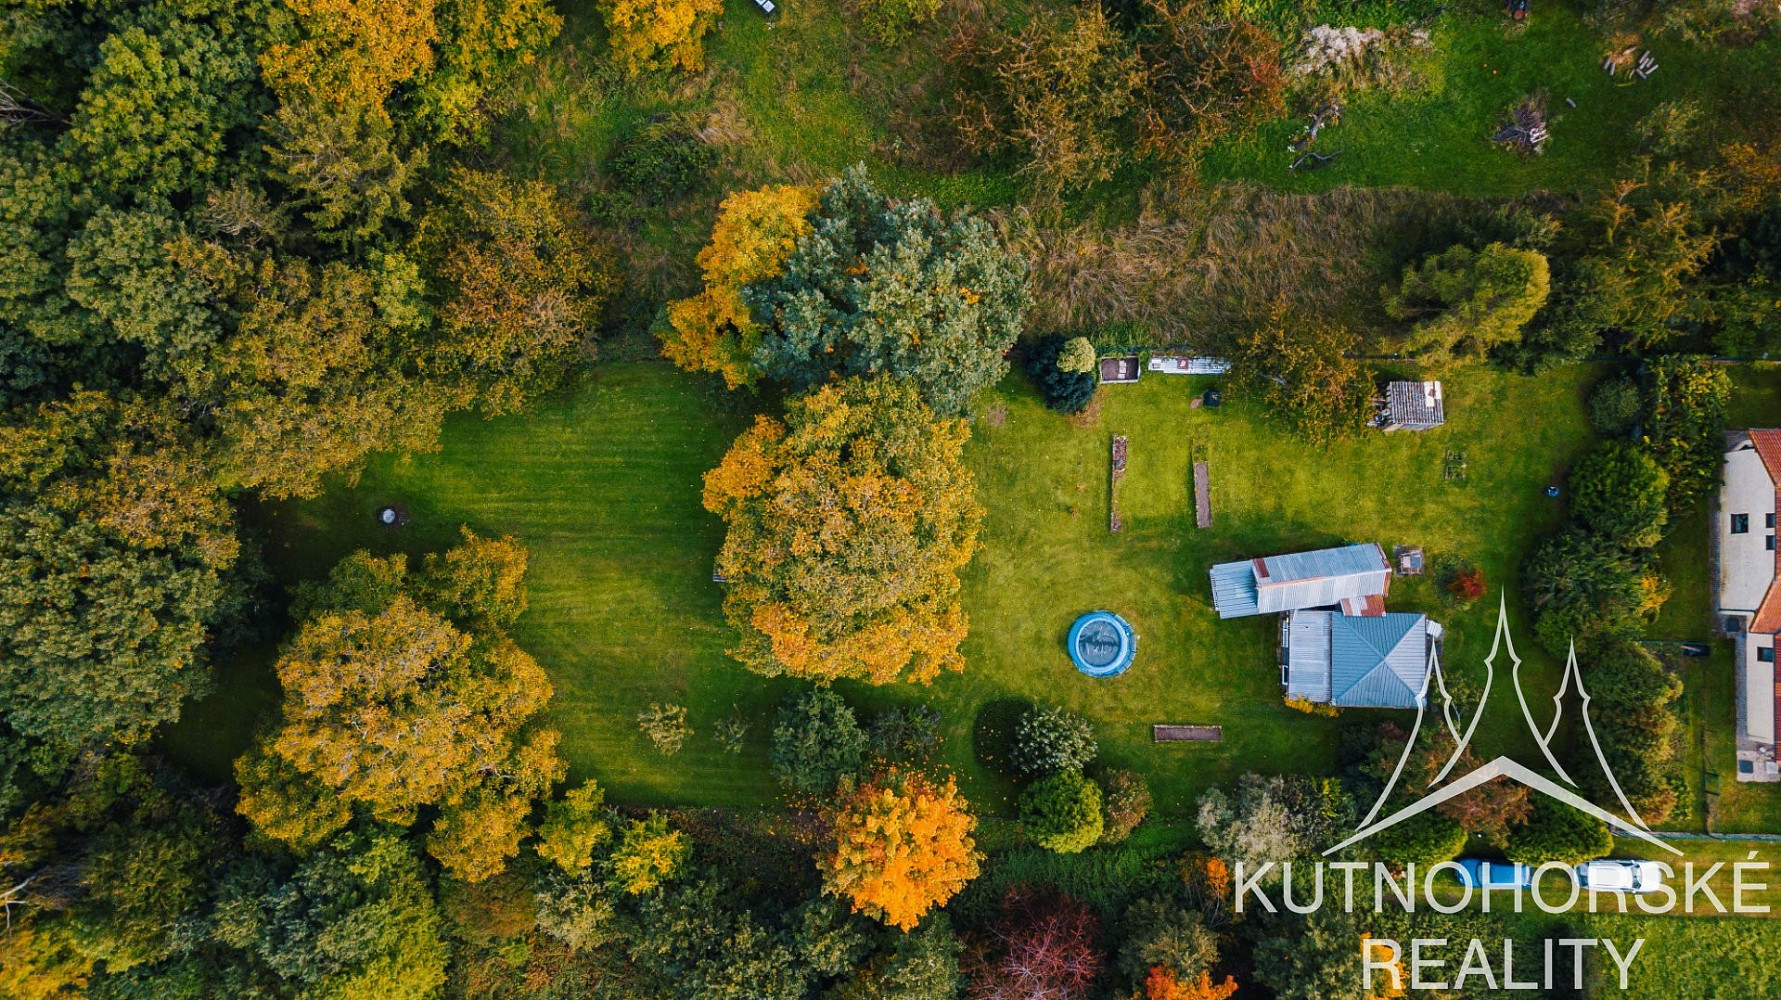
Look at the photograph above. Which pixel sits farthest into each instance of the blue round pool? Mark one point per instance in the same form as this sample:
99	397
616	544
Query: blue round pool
1102	644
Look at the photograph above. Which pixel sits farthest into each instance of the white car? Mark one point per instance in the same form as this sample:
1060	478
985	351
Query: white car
1620	875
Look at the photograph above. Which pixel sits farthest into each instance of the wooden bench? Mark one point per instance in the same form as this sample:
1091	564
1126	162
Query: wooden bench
1163	733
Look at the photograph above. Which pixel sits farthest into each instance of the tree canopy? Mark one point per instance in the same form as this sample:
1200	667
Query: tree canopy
902	846
860	284
848	524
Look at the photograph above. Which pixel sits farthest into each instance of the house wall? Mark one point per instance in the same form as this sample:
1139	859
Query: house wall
1746	564
1759	690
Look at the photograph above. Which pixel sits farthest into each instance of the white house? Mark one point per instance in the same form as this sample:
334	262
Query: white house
1749	592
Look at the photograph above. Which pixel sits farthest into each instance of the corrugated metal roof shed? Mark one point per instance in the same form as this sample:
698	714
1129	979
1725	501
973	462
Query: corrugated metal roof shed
1415	406
1308	655
1233	589
1299	580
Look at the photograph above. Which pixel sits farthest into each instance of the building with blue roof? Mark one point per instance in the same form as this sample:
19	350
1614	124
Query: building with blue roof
1352	661
1355	577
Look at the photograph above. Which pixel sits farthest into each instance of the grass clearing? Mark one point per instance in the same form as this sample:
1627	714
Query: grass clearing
603	486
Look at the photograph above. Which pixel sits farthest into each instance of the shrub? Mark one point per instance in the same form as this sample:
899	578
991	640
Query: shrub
649	855
1422	840
1160	932
1556	832
1584	587
1049	739
1618	492
1309	707
1465	583
1077	355
573	826
892	20
1125	801
1062	812
1063	389
731	733
666	727
1615	406
1685	425
1670	128
907	736
1301	369
664	157
816	742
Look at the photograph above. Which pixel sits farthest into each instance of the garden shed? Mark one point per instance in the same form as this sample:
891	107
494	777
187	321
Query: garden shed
1413	406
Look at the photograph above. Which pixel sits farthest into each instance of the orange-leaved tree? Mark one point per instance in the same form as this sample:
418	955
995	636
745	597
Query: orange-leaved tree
1164	984
848	525
755	234
659	34
902	847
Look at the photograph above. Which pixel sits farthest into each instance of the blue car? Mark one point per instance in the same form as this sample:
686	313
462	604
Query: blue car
1478	873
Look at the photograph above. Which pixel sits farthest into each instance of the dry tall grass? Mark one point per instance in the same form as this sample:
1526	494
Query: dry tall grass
1200	264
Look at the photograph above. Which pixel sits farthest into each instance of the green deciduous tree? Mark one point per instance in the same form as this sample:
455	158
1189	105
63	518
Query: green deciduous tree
573	827
522	284
1158	931
1301	369
1585	587
1466	302
1619	492
648	855
848	524
356	922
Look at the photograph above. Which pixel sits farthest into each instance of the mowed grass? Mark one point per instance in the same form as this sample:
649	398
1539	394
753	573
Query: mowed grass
603	487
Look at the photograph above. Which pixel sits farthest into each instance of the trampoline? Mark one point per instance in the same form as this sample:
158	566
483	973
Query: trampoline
1102	644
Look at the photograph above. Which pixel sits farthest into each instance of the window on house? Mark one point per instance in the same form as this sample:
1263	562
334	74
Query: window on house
1770	543
1740	524
1766	654
1768	520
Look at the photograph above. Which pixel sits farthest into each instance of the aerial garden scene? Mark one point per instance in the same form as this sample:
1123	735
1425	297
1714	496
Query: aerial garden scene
906	499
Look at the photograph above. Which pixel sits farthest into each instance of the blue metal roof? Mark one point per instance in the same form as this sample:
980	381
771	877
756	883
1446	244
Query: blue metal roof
1378	662
1300	580
1233	589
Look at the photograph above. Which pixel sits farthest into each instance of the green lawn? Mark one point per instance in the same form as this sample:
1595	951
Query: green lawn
603	486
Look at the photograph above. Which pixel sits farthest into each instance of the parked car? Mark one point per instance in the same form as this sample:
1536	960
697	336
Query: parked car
1620	875
1478	873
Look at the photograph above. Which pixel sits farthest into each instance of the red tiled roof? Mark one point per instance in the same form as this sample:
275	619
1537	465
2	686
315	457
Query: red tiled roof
1768	446
1371	606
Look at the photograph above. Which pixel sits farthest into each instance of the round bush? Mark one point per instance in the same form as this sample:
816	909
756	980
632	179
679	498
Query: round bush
816	742
1048	740
1062	813
1614	407
1556	832
1125	801
1062	389
1618	491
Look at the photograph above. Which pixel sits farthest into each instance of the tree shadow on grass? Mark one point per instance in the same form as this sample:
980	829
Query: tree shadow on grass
992	733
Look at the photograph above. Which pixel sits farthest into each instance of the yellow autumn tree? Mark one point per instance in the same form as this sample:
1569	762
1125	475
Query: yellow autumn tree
659	34
403	692
848	524
352	51
902	847
755	233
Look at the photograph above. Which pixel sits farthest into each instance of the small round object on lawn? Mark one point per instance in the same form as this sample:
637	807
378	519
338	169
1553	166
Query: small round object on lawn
392	516
1102	644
